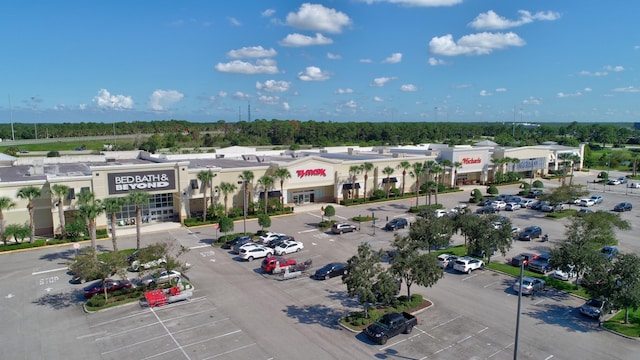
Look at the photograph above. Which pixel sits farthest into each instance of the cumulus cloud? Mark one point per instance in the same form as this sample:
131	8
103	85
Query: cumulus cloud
418	3
298	40
492	21
234	21
313	73
593	73
408	88
378	99
333	56
566	95
251	52
316	17
628	89
614	68
366	61
105	100
285	106
532	101
501	90
344	91
261	66
485	93
435	62
273	86
587	89
239	95
161	100
269	100
351	104
474	44
222	94
393	59
268	13
381	81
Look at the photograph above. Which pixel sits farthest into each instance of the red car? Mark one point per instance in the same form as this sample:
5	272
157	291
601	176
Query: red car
523	259
270	263
111	286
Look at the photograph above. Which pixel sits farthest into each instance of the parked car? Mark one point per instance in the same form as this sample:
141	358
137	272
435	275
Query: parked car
622	180
340	228
593	308
330	270
585	211
529	285
236	249
288	247
271	263
264	239
634	185
486	210
440	212
597	199
623	206
512	206
609	252
390	325
485	202
110	285
533	194
467	264
395	224
275	242
523	259
529	233
256	252
161	277
230	243
499	204
135	264
446	260
613	182
563	275
552	207
539	204
586	202
481	253
526	203
541	264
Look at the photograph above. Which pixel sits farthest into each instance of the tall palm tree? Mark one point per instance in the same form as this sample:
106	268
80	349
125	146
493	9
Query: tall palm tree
365	168
404	165
574	159
60	193
138	199
388	171
266	182
226	189
416	173
112	206
30	193
435	170
445	164
282	174
5	204
456	165
498	164
354	170
247	177
205	176
565	158
427	168
89	212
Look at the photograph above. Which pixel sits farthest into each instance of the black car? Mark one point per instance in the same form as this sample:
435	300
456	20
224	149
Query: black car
229	244
533	194
539	204
330	270
279	240
530	232
395	224
486	202
486	210
623	206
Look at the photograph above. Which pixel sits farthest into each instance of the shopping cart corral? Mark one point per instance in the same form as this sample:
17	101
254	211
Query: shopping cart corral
161	297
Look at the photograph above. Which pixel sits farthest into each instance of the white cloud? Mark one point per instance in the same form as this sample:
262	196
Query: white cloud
234	21
393	59
161	100
462	86
313	73
351	104
566	95
381	81
268	13
239	95
269	100
628	89
532	101
614	68
366	61
596	73
435	62
418	3
344	91
298	40
251	52
492	21
378	99
222	94
587	89
485	93
408	88
273	86
501	90
105	100
261	66
333	56
474	44
316	17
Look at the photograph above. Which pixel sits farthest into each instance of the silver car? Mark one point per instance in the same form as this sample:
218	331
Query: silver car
529	285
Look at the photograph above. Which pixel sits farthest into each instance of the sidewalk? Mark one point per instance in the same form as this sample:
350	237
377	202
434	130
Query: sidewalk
148	228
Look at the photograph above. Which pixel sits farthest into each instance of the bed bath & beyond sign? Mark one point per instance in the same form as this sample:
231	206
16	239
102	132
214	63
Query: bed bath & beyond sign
145	181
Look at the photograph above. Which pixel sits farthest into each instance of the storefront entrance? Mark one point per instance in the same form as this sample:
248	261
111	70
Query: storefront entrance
159	209
303	197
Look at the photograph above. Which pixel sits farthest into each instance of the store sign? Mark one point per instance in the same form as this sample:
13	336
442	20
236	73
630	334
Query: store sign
311	172
470	161
120	183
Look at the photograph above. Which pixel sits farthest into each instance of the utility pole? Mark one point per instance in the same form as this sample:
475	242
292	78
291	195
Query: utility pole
13	134
33	113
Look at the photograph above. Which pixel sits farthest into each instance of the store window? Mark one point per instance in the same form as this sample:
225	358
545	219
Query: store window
159	209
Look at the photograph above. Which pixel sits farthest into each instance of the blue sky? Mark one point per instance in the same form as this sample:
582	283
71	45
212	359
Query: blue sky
346	60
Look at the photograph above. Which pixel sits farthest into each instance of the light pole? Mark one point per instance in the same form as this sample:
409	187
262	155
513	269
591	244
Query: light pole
244	205
531	180
113	120
515	346
33	111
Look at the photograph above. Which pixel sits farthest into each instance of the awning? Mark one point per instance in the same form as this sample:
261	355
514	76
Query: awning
389	180
271	194
350	186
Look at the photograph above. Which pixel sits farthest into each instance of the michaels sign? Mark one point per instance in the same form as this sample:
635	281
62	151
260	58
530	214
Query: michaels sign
161	180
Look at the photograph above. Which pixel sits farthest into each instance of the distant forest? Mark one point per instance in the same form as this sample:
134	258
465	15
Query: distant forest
170	133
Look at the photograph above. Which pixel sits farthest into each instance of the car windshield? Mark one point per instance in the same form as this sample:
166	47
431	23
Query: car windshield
595	303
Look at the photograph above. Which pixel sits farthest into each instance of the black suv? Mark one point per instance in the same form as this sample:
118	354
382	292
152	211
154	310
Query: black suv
239	239
530	232
395	224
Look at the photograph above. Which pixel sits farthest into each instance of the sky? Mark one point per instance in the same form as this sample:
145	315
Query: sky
341	60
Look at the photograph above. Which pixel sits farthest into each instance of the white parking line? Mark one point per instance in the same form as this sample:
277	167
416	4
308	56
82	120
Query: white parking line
199	247
493	283
306	231
469	277
230	351
499	351
446	322
171	335
48	271
548	357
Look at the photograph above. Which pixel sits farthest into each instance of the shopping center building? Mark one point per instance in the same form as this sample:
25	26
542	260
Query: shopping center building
317	175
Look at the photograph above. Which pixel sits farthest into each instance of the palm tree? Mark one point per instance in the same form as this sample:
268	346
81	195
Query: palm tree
60	193
247	177
354	170
574	159
138	199
282	174
456	165
427	167
404	165
89	212
435	170
418	170
388	171
365	168
5	204
445	164
498	164
205	176
112	206
226	189
30	193
266	182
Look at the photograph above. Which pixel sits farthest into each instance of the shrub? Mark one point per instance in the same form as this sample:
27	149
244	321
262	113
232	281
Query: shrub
394	192
538	184
96	301
378	194
236	213
476	196
492	190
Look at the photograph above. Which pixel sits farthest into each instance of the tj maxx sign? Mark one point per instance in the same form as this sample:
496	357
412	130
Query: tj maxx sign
311	172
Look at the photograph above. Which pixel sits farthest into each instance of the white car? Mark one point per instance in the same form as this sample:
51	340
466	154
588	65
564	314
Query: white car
441	213
288	247
446	260
136	265
614	182
161	277
247	246
499	204
468	264
256	252
563	275
526	203
586	202
264	239
634	185
512	206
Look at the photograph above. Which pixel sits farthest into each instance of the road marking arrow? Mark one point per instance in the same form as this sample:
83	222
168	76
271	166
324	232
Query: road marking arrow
9	296
49	289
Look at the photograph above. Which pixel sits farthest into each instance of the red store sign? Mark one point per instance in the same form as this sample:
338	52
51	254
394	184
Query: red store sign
469	161
311	172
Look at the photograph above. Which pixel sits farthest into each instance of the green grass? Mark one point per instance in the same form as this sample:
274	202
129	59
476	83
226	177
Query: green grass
616	323
567	286
562	214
